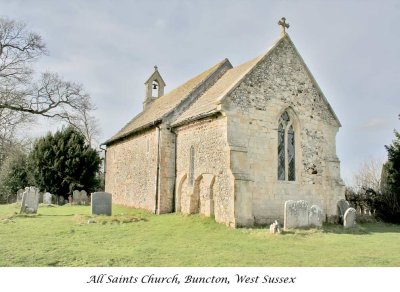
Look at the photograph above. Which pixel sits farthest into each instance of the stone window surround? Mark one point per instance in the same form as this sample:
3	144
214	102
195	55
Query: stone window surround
294	122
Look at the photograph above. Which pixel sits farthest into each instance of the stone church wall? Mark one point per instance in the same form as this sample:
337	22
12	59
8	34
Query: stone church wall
281	82
212	191
131	168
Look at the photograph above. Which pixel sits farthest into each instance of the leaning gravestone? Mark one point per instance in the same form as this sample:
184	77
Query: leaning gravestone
296	214
349	218
101	203
342	206
30	201
315	216
84	197
47	198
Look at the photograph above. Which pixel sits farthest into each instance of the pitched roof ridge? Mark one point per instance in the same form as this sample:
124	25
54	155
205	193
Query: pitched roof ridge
125	131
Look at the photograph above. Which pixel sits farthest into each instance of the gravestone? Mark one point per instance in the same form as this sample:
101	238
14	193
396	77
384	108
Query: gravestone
84	197
342	206
54	199
101	203
349	218
315	216
296	214
47	198
20	192
76	197
30	201
61	200
40	197
275	227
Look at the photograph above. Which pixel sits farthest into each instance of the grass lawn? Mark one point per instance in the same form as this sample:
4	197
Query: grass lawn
61	236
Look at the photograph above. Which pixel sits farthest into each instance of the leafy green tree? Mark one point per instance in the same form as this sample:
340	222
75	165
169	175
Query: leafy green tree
63	162
14	173
389	204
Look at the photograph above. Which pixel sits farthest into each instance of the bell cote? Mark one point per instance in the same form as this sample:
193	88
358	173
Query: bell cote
154	87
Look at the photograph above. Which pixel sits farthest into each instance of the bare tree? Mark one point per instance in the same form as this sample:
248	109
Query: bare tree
47	96
369	175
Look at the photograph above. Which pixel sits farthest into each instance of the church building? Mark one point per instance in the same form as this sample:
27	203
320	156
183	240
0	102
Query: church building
234	142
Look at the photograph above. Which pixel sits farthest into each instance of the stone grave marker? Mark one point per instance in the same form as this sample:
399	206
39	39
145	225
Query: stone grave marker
30	201
84	197
20	192
61	200
40	197
101	203
47	198
76	197
296	214
275	227
349	218
342	206
315	216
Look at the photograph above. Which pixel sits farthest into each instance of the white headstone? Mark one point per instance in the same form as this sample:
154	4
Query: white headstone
30	201
315	216
76	197
47	198
101	203
296	214
349	218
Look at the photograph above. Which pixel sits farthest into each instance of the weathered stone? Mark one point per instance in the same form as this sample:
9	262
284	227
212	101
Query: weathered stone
61	200
238	147
101	203
76	197
84	197
315	216
296	214
349	218
275	227
40	197
30	201
20	193
342	206
47	198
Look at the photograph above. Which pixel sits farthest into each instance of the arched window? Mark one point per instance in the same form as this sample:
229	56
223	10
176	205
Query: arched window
286	149
191	165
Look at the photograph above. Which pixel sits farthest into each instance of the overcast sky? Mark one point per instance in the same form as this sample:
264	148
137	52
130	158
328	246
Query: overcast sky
351	47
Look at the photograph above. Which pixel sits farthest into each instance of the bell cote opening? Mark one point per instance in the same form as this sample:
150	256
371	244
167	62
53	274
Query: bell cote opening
154	87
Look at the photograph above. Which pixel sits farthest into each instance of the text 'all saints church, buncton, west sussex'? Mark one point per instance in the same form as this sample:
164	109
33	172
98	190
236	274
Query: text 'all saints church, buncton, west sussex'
234	143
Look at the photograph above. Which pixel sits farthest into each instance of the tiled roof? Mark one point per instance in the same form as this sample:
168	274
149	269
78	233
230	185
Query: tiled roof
164	104
207	103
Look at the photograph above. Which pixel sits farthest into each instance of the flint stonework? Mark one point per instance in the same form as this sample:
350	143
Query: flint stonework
296	214
349	218
101	203
315	216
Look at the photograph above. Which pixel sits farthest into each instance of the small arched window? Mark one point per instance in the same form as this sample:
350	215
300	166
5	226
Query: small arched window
286	149
191	165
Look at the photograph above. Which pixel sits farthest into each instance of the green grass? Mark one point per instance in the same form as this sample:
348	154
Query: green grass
61	236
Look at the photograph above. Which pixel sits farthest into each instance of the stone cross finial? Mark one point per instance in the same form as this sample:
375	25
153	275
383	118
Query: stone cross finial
284	25
155	68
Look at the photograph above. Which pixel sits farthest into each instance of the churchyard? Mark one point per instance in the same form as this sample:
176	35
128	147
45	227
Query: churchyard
69	235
